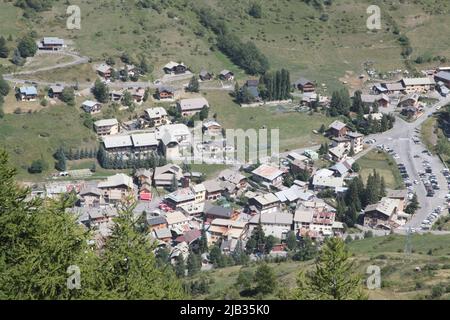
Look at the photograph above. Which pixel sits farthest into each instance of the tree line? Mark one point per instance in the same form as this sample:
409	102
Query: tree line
150	160
244	54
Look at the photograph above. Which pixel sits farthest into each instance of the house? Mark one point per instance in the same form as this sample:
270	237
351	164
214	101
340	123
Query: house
189	236
176	219
137	95
304	85
380	214
163	234
180	198
293	195
268	175
204	75
144	180
337	129
51	44
277	224
164	175
265	203
106	127
218	212
175	68
252	88
226	75
91	197
444	77
400	195
27	93
316	222
308	98
382	100
410	100
174	139
189	107
294	156
91	106
213	189
417	85
155	223
157	115
226	230
200	193
117	188
379	88
55	91
144	142
118	144
298	166
116	95
234	177
104	71
395	88
343	168
164	93
356	140
338	153
325	179
211	127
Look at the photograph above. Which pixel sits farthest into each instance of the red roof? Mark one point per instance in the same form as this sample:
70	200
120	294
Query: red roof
146	196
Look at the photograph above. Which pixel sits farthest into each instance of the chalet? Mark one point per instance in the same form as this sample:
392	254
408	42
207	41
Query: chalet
144	142
277	224
179	198
293	195
164	175
91	197
337	129
189	237
410	100
380	214
117	188
444	77
51	44
226	230
157	115
213	212
213	189
442	88
211	127
138	94
396	87
155	223
200	193
338	153
304	85
205	75
379	88
382	100
265	203
118	144
175	68
27	93
106	127
417	85
144	180
298	166
163	235
234	177
176	219
55	91
294	156
104	71
325	179
268	175
343	168
91	106
189	107
116	95
316	222
311	154
174	139
356	140
164	93
226	75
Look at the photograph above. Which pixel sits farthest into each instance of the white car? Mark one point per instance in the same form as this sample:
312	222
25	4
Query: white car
438	107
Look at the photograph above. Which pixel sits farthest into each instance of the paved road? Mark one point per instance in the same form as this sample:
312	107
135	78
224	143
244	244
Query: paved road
399	139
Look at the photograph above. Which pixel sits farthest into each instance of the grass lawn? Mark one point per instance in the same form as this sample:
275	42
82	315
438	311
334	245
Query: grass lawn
209	170
429	137
28	137
82	73
295	128
384	165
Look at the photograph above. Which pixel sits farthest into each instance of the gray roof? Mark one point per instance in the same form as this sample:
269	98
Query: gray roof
163	233
193	104
302	81
152	221
443	75
53	40
117	141
218	211
273	218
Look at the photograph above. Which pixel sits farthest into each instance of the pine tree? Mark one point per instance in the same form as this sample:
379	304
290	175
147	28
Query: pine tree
265	279
128	264
194	85
194	263
334	276
4	50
